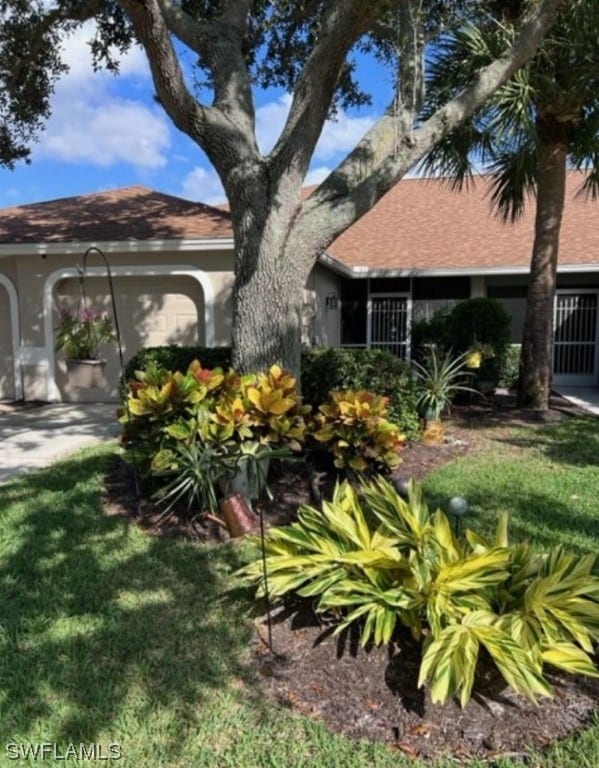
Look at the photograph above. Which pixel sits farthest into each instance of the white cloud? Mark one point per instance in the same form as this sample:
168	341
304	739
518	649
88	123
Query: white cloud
341	134
270	120
203	185
91	124
77	55
105	133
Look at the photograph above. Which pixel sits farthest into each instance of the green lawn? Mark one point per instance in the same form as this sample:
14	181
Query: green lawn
111	636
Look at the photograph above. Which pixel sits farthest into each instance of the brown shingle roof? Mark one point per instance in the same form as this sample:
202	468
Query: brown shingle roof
131	213
419	226
422	225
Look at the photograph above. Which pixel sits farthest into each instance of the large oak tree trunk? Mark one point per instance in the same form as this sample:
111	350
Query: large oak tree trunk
270	276
536	364
267	314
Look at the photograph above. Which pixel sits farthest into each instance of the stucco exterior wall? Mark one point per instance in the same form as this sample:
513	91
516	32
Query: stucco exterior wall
153	307
324	329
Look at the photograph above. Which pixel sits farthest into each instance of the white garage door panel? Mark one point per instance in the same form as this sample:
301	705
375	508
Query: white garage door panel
7	383
152	311
162	310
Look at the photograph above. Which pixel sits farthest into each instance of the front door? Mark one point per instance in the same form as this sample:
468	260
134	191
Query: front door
388	326
575	341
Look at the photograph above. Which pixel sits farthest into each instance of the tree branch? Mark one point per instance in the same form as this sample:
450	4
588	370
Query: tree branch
344	21
83	12
224	140
383	156
219	45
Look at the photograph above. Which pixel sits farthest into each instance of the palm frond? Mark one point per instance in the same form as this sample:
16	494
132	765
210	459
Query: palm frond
514	178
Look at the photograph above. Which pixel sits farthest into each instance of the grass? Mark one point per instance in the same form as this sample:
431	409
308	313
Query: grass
546	477
111	636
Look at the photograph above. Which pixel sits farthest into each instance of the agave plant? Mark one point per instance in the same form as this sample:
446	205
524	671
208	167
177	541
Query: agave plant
439	379
371	558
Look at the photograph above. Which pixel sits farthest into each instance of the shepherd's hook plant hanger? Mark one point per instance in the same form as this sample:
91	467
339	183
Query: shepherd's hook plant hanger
82	274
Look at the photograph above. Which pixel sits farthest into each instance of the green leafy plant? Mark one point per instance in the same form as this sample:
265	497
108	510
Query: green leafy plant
371	558
176	423
375	370
510	367
177	358
439	379
215	406
481	324
353	425
193	473
80	334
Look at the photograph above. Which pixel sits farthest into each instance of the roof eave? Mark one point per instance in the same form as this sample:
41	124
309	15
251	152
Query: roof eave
117	246
477	271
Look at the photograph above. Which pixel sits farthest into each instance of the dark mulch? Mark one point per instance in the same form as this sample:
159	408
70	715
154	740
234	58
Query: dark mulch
372	693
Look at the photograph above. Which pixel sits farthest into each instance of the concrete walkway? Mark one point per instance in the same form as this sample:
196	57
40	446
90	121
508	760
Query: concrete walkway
36	437
584	397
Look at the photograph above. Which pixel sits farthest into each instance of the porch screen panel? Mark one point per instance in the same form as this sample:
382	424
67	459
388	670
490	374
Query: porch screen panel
575	334
389	324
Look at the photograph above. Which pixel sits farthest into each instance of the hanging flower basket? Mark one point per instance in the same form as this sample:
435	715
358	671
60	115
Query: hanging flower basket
474	359
79	335
86	374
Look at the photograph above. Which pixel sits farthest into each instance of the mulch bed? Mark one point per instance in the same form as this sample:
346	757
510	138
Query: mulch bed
372	693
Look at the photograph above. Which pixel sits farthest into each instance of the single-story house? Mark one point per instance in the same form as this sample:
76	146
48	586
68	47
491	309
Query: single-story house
423	246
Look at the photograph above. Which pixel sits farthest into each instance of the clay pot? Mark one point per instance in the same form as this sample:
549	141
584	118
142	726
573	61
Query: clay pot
238	516
86	374
433	431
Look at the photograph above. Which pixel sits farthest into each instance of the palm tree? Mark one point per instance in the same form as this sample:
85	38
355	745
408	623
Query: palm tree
543	120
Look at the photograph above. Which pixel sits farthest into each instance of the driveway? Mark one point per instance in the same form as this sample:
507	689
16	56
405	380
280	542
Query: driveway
36	437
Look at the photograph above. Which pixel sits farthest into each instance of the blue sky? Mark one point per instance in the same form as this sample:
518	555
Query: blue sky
107	132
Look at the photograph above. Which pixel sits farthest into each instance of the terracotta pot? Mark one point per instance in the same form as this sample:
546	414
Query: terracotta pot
433	431
238	516
86	374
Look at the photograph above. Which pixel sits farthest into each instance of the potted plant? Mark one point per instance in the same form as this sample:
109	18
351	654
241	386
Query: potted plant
477	353
80	335
439	379
195	470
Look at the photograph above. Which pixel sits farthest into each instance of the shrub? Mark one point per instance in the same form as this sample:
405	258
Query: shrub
354	428
370	558
478	323
163	408
510	368
374	370
481	322
432	332
322	370
176	358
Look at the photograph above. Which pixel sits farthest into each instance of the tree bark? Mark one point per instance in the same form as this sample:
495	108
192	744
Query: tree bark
536	363
277	238
270	275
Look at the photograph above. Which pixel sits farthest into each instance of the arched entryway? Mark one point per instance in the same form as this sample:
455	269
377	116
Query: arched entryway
155	307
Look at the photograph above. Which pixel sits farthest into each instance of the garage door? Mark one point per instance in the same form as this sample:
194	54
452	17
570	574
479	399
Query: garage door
7	378
152	311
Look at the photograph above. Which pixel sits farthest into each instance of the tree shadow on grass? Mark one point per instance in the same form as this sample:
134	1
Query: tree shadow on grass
534	515
573	441
97	618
